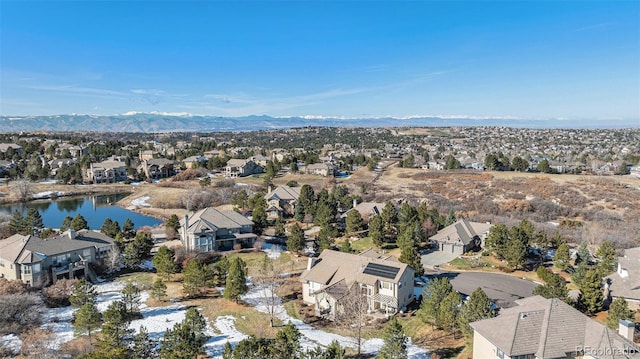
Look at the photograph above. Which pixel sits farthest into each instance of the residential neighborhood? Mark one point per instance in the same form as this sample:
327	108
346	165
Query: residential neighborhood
344	236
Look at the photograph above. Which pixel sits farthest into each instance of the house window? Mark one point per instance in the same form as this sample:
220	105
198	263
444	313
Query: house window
26	269
386	285
499	353
36	268
86	253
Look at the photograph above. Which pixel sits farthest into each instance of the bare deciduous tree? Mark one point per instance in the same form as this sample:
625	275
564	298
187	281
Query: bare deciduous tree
352	311
269	277
114	259
21	187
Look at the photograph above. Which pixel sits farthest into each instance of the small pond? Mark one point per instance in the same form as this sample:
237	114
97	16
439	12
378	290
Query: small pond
95	209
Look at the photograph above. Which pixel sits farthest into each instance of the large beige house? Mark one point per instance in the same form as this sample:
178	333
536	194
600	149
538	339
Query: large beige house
241	168
386	283
212	230
109	171
540	328
461	236
625	282
282	201
39	261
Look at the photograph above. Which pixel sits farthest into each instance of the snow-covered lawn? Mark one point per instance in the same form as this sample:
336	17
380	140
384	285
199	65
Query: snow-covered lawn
11	342
157	320
312	337
47	194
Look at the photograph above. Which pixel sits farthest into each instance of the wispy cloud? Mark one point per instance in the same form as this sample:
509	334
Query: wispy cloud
244	104
593	26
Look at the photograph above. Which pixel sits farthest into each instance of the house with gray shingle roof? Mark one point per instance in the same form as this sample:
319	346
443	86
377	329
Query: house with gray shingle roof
39	261
282	201
212	230
625	282
461	236
330	278
543	328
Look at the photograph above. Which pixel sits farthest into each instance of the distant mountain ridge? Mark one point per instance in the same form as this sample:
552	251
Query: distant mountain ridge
158	122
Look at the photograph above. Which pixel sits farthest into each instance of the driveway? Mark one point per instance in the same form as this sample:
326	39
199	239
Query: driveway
437	258
503	289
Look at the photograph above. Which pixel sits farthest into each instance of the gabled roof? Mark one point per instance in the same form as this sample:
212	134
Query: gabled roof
548	328
461	232
333	266
234	162
213	219
366	209
30	249
625	282
284	193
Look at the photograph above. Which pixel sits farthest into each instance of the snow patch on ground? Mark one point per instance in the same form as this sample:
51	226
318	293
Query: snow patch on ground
273	251
312	337
47	194
141	201
11	342
227	326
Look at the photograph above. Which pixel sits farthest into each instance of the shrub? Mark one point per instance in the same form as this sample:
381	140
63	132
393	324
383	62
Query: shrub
57	295
12	287
17	314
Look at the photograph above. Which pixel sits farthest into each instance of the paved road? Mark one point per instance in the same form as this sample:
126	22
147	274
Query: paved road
503	289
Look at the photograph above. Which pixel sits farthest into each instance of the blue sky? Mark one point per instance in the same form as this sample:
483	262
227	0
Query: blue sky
577	61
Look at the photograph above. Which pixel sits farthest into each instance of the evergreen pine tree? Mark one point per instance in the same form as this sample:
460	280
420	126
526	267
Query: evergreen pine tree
158	289
236	279
115	327
86	319
131	299
432	296
79	223
447	318
562	257
591	297
83	293
619	309
376	228
34	220
128	230
196	278
354	222
295	242
143	345
259	218
477	307
18	223
395	341
66	223
164	262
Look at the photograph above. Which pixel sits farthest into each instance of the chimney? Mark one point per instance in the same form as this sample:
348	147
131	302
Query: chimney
184	229
72	233
312	261
355	202
270	189
626	329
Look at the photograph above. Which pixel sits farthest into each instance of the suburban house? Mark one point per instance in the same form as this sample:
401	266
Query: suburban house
330	279
461	237
4	147
157	168
319	169
540	328
282	201
212	230
241	168
367	210
625	282
109	171
56	164
193	161
39	261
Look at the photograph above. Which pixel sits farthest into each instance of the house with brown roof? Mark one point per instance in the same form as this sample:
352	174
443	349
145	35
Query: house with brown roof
625	282
328	280
109	171
39	261
212	230
540	328
241	168
157	168
461	237
367	210
282	201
